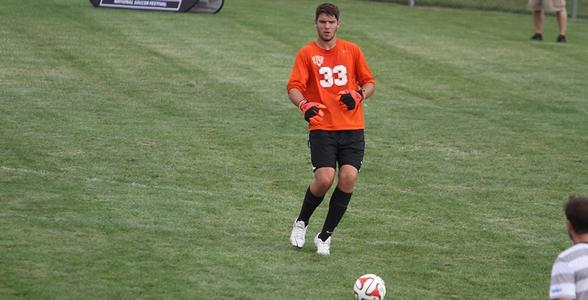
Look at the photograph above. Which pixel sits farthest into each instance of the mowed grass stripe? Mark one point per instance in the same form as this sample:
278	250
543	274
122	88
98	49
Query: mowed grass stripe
156	155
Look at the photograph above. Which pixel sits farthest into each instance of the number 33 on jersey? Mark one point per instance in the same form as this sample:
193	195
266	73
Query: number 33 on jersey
328	80
321	74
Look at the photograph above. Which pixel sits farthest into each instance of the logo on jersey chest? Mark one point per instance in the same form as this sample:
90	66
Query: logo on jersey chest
318	60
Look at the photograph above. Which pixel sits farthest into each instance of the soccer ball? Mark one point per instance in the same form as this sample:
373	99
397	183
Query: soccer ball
369	287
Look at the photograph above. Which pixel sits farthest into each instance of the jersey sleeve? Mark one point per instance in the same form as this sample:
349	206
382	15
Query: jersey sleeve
364	74
562	281
300	74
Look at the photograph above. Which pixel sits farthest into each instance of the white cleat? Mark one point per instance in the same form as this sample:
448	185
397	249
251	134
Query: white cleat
322	248
298	234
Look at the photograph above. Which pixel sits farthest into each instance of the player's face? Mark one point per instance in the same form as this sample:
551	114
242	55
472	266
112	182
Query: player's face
326	27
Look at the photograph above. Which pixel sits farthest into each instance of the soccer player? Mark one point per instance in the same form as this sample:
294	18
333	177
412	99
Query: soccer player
329	81
569	275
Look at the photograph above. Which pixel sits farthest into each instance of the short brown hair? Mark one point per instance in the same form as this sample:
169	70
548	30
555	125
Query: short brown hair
576	209
327	8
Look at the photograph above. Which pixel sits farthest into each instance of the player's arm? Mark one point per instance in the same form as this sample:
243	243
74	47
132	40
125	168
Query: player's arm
562	282
311	110
350	99
367	90
296	96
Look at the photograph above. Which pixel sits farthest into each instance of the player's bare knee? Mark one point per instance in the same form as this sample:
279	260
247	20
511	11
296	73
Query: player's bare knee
347	182
324	182
348	173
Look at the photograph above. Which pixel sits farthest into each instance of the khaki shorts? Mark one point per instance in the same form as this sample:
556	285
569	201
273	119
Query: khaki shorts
547	5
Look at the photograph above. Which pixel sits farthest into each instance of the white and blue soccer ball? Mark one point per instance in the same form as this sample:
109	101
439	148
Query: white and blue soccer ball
369	287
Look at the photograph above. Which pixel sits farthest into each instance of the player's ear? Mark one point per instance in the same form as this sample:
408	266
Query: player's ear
570	227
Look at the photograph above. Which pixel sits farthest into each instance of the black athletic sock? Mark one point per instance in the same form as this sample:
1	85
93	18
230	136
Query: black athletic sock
337	208
311	202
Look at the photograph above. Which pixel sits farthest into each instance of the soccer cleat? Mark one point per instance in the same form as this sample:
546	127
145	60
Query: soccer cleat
537	37
561	38
322	248
298	234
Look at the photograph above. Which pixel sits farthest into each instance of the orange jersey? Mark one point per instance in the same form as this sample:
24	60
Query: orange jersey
321	74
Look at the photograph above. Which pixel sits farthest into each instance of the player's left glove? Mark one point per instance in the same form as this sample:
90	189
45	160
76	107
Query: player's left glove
349	100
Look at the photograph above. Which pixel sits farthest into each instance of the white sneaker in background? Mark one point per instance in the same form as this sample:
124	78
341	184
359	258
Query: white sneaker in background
298	234
322	248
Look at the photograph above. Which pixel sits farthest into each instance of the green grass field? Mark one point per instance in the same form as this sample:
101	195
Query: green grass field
156	155
517	6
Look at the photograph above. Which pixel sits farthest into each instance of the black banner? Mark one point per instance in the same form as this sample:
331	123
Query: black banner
162	5
173	5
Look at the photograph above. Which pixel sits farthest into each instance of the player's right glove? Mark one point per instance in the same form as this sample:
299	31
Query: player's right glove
312	111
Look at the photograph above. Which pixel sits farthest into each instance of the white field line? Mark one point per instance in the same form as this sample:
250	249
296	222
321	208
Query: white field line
44	173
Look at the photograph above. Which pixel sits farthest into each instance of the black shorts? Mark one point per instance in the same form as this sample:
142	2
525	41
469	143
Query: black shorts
336	148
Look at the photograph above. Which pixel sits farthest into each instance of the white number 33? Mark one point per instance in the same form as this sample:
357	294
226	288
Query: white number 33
337	76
